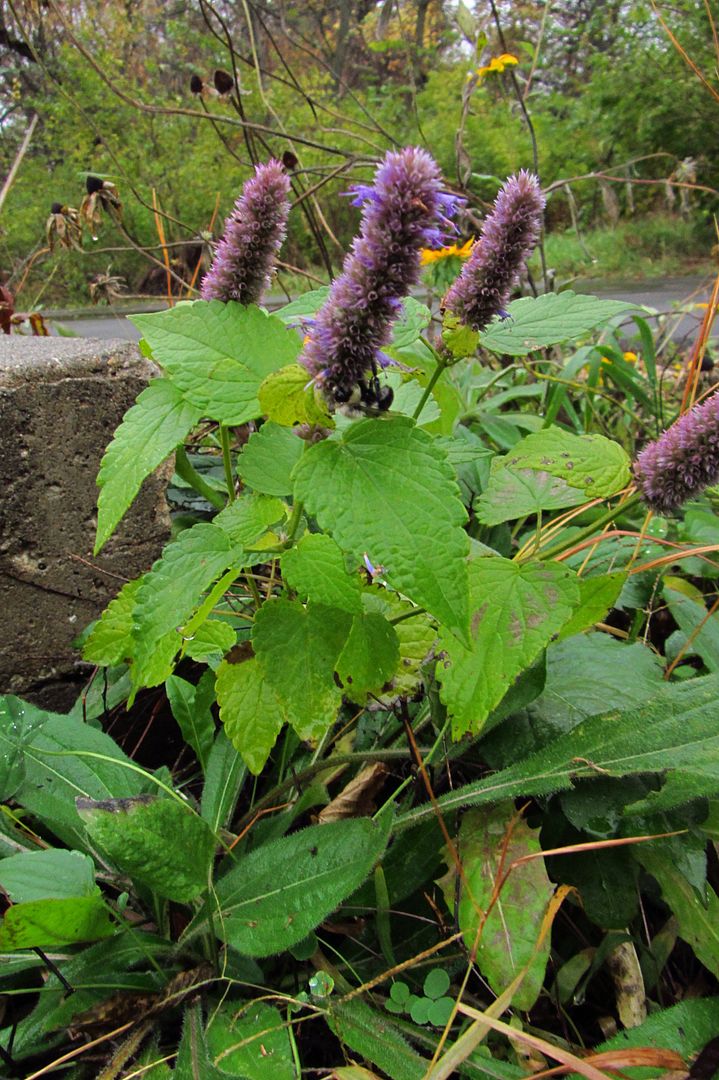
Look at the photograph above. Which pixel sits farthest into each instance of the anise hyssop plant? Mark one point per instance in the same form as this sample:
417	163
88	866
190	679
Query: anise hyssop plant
389	559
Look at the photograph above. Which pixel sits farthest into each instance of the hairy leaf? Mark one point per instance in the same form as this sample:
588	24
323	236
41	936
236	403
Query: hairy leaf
374	1037
596	465
686	1028
517	607
534	323
135	833
297	648
489	842
387	491
274	896
218	353
269	457
250	1041
675	734
150	431
316	570
249	710
193	1056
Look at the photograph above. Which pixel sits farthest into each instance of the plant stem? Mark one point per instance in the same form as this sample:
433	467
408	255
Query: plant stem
190	475
441	365
584	534
252	586
294	522
227	461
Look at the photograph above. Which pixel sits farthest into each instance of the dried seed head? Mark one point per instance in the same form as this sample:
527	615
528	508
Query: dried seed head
223	81
93	184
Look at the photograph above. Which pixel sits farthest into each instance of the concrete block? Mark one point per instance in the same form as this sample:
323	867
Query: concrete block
61	399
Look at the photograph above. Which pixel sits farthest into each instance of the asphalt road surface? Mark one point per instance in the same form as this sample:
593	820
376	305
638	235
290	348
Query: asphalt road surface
662	295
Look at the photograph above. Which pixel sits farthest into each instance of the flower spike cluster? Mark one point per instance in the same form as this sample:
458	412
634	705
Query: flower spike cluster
506	241
681	462
254	232
403	211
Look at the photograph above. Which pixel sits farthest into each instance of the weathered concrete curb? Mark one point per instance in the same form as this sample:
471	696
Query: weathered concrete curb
60	402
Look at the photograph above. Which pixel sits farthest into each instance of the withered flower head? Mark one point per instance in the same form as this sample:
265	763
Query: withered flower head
223	81
64	227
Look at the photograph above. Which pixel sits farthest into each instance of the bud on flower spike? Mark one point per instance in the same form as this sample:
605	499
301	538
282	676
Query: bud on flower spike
681	462
505	243
403	211
253	235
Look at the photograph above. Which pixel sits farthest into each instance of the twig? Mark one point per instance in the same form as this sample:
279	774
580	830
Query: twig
10	178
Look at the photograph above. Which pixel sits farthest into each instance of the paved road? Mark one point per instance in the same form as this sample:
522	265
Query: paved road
662	295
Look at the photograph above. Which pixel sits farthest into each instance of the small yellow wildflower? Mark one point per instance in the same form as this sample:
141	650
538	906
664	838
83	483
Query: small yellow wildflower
433	255
497	63
631	357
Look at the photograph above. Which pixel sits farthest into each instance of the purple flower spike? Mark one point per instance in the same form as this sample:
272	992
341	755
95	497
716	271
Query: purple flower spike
681	462
253	235
400	214
507	240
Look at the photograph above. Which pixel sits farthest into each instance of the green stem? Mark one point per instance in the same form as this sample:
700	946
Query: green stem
252	586
584	534
227	461
294	522
190	475
441	362
407	615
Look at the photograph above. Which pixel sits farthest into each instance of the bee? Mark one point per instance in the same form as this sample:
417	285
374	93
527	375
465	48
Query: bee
367	397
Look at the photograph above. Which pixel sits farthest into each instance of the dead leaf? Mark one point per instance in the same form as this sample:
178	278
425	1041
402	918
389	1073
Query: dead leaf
631	998
357	798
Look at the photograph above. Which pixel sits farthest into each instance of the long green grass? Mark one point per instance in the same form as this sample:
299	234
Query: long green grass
659	245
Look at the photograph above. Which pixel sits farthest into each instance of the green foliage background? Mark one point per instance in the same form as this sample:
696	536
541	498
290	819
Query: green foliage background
608	87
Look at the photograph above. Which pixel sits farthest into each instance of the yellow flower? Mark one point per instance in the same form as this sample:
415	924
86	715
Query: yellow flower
497	63
433	255
631	357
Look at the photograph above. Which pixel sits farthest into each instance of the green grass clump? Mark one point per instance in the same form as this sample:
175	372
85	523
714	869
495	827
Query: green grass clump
658	245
